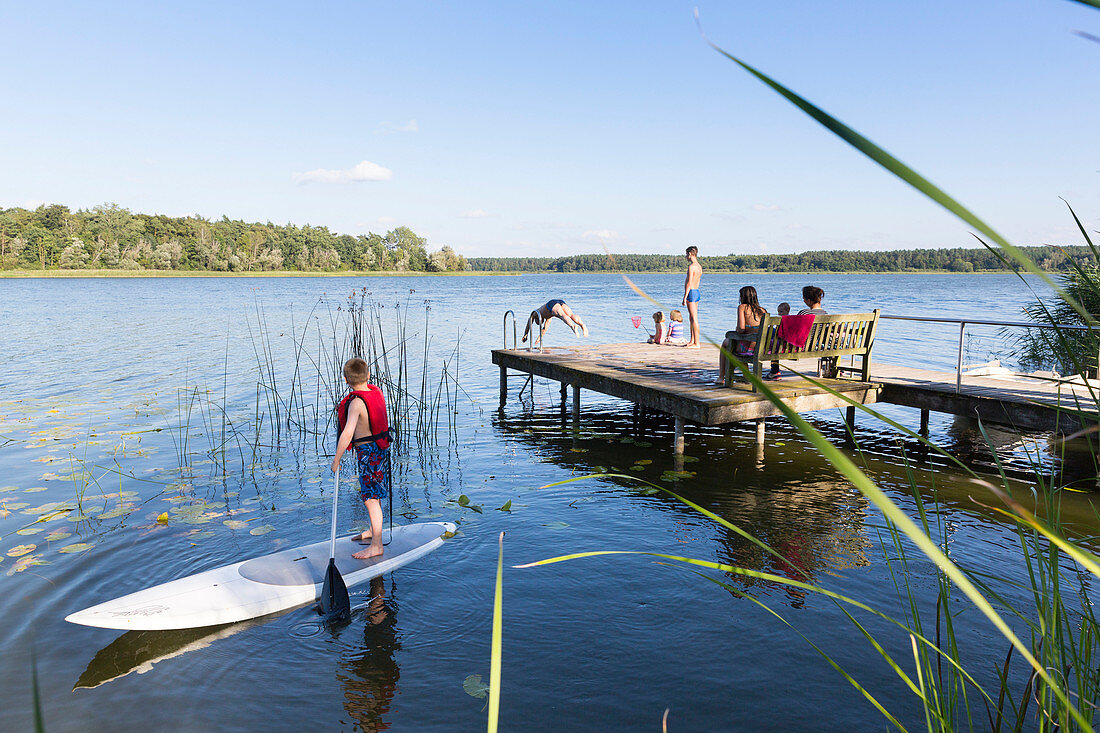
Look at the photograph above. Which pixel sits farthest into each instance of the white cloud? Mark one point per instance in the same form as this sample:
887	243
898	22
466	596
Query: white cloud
765	207
386	220
364	171
602	235
475	214
410	126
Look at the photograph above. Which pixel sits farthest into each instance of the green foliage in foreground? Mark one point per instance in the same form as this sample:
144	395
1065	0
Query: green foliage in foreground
111	237
903	260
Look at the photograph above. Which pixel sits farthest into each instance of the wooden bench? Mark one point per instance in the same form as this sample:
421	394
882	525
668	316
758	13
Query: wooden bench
843	334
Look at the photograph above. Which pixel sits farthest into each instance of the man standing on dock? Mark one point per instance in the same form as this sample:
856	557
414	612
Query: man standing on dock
691	294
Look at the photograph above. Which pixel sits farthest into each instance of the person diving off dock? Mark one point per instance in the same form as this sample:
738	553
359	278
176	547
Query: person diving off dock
555	308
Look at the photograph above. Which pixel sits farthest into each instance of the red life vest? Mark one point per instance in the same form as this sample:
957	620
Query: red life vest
376	413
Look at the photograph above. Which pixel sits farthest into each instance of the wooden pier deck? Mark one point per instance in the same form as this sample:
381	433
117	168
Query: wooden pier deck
683	383
679	382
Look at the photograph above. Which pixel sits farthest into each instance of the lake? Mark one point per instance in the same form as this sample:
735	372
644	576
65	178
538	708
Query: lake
125	400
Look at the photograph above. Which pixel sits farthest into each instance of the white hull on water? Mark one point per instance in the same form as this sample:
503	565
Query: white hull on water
259	586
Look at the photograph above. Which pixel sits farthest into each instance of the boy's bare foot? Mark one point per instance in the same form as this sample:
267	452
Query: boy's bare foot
585	329
368	553
691	346
364	537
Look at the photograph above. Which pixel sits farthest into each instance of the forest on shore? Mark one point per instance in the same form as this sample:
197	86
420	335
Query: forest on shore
110	237
1057	259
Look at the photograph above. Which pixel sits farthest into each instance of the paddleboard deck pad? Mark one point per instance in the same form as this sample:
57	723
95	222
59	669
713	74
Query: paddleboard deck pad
259	586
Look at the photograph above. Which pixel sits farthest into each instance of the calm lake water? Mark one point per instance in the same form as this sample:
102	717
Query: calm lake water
121	400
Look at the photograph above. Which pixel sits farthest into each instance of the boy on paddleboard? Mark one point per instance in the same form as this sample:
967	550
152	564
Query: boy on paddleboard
361	420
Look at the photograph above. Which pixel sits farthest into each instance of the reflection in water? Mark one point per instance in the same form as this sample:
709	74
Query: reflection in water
138	651
371	671
816	525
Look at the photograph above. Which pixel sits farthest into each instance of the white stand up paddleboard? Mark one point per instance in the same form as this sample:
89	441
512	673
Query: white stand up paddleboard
260	586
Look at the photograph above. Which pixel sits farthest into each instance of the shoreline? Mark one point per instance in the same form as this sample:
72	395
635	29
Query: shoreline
90	274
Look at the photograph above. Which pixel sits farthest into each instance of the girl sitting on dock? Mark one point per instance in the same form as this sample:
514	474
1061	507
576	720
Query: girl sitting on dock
676	330
659	332
555	308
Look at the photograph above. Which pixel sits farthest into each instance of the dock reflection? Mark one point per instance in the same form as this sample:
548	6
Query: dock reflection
816	524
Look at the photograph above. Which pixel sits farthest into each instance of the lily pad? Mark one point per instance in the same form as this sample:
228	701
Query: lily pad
690	459
556	525
76	547
643	462
474	687
507	507
58	534
643	444
636	467
202	534
25	562
34	489
261	530
235	524
20	550
17	505
463	500
33	529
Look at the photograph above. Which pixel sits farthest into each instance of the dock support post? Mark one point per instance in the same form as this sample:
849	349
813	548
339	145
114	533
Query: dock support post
760	431
678	437
576	404
924	423
564	388
503	385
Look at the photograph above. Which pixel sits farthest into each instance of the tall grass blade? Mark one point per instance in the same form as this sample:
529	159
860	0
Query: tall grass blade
498	622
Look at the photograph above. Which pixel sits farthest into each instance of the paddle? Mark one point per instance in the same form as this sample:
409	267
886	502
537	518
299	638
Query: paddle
335	601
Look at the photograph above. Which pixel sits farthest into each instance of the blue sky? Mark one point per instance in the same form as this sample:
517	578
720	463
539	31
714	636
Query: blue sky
555	128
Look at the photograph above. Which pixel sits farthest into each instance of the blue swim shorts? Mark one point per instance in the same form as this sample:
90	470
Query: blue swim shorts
373	467
693	295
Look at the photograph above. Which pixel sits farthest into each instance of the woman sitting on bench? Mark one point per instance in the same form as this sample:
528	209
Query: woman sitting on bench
749	316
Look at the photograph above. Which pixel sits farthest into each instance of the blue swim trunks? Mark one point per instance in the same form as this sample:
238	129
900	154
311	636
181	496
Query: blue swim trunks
693	295
373	470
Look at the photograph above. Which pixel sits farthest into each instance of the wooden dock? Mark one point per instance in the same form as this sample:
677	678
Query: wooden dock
679	382
683	383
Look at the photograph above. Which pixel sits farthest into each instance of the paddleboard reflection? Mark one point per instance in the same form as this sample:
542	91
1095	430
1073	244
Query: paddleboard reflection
138	651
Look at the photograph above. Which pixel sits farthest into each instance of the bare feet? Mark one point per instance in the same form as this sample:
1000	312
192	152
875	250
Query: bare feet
372	551
585	329
691	346
364	537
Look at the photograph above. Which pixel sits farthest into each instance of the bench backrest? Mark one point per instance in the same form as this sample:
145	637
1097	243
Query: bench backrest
838	334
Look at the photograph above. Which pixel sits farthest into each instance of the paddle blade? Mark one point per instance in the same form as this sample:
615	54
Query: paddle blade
335	601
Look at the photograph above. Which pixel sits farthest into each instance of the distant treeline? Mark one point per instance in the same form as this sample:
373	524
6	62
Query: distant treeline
903	260
111	237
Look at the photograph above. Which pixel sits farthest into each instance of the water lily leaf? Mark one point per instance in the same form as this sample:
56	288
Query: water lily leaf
690	459
113	513
507	507
264	529
202	534
58	534
17	505
474	687
76	547
25	562
235	524
556	525
34	489
448	535
650	490
578	450
643	462
643	444
463	500
29	530
163	518
20	550
79	517
636	467
626	440
6	489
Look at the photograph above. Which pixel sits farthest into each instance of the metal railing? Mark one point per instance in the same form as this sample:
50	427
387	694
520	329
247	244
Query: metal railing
514	341
964	322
